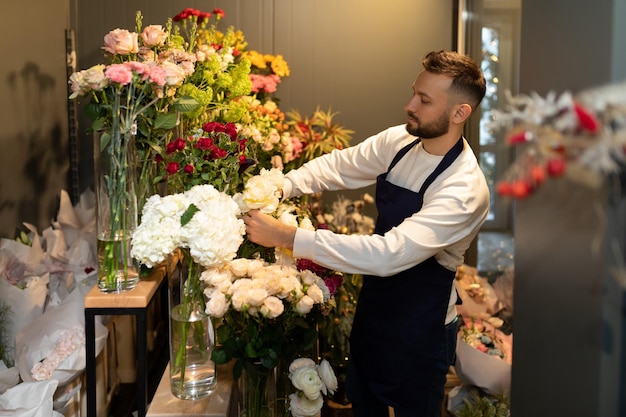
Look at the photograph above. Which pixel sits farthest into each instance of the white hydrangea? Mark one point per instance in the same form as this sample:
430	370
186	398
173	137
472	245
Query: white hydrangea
213	235
158	234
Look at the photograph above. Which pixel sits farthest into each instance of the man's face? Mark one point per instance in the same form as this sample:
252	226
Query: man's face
428	110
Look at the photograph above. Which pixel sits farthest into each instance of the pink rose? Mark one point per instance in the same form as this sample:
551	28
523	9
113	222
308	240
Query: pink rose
153	35
121	42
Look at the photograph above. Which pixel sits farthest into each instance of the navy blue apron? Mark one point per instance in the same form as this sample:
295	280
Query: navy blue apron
399	323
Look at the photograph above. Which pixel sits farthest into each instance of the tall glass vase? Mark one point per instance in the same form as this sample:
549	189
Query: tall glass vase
116	203
264	391
192	337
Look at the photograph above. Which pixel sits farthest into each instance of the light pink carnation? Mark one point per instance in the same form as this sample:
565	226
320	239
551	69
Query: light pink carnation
119	73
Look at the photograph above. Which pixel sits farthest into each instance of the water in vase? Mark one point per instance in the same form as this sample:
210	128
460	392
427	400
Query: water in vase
192	372
117	271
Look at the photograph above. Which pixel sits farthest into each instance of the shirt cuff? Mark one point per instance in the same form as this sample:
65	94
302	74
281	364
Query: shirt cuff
304	243
287	188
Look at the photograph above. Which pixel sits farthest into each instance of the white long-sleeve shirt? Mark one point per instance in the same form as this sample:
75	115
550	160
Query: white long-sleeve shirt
455	206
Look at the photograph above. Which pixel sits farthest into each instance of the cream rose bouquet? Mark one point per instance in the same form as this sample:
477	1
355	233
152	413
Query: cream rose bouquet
266	311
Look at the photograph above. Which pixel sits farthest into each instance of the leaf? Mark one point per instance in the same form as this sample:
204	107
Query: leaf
105	138
186	104
251	351
165	121
188	214
98	124
219	357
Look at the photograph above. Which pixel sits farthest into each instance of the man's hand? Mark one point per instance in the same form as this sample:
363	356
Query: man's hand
267	231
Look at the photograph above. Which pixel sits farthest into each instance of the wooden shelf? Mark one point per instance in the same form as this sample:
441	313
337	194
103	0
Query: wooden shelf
221	403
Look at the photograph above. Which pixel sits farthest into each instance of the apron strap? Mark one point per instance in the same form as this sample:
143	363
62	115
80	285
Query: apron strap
447	160
402	152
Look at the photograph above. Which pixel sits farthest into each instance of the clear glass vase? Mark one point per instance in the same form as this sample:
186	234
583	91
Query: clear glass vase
192	336
116	204
264	391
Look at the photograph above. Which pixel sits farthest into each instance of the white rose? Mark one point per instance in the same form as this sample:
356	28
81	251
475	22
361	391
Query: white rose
304	305
256	296
94	77
291	288
315	293
260	194
308	381
272	284
300	406
217	305
272	307
217	279
308	277
325	370
239	298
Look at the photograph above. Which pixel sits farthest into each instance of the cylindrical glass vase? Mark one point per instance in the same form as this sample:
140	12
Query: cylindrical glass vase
116	204
264	391
192	337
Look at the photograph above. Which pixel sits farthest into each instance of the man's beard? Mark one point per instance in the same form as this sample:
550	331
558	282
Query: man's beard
430	130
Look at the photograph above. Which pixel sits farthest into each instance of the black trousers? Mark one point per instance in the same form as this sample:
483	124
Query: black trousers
366	404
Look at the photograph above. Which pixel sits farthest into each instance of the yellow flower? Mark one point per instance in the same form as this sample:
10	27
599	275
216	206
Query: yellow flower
280	67
256	59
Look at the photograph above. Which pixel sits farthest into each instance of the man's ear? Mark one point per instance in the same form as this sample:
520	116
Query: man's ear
461	113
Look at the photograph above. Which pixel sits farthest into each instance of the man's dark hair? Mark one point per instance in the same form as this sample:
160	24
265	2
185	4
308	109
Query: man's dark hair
467	78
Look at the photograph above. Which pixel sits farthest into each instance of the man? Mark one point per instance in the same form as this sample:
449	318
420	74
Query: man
432	199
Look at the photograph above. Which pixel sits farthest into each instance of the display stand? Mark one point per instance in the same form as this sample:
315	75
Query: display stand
221	403
135	302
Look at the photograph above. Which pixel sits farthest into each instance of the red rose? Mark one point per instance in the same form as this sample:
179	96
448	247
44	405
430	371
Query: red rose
219	153
179	144
231	130
188	169
212	127
172	167
206	144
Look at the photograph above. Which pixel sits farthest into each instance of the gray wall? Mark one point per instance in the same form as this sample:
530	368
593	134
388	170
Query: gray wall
33	90
572	45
